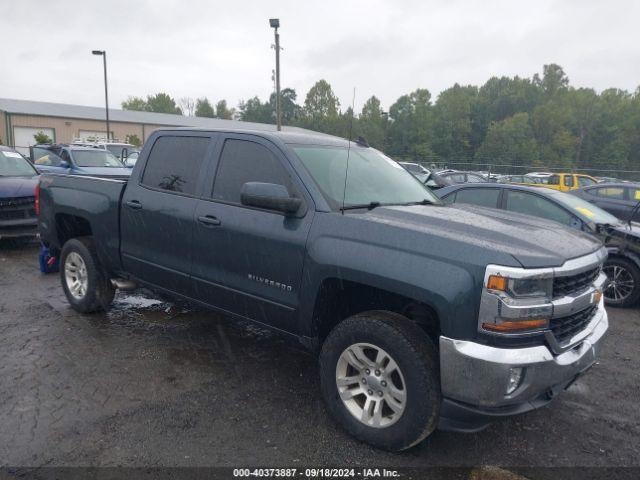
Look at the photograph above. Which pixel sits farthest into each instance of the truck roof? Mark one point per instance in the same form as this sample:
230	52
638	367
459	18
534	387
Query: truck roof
296	136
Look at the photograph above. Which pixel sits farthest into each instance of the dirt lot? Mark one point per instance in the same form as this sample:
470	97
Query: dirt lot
154	384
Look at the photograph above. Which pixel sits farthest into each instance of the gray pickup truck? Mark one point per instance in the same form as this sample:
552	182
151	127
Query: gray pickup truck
422	314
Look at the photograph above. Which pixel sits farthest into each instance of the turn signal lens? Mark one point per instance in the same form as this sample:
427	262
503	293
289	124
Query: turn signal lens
496	282
509	327
37	199
597	296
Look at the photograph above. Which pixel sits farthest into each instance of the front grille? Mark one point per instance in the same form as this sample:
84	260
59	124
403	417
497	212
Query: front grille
17	208
566	327
574	283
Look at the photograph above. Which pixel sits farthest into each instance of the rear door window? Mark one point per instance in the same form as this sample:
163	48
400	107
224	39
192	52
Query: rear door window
484	197
537	206
614	193
174	164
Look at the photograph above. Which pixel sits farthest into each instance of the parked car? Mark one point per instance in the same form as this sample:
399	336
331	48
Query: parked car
562	181
78	160
622	240
421	313
119	150
518	179
18	180
455	176
619	199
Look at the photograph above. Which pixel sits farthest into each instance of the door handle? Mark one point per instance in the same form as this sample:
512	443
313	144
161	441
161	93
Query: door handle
209	220
134	204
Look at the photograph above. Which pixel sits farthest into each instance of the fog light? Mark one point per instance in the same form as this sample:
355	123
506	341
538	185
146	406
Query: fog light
515	378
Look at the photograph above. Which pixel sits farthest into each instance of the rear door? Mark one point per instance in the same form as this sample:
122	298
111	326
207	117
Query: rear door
157	211
247	260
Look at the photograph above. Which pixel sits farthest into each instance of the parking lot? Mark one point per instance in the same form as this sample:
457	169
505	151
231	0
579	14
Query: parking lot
156	384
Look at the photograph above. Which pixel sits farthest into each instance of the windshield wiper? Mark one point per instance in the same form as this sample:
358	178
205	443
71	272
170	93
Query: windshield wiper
421	202
368	206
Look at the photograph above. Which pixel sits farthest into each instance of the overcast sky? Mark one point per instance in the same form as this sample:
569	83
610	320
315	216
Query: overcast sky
221	49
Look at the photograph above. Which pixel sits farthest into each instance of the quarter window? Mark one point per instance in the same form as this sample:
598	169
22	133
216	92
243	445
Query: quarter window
537	206
243	161
174	164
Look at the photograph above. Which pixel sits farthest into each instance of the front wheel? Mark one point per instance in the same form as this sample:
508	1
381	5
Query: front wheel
380	379
84	281
624	282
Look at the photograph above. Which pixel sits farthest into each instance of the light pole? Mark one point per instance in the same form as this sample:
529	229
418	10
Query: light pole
106	93
275	24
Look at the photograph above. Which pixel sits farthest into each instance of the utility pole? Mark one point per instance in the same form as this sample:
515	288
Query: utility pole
106	90
275	24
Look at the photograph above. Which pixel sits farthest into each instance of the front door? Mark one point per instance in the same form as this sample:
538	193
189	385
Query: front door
157	212
248	261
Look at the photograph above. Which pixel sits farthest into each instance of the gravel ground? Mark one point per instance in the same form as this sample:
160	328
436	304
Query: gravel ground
154	384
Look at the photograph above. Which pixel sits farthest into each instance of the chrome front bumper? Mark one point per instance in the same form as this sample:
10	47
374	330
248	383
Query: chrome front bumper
477	374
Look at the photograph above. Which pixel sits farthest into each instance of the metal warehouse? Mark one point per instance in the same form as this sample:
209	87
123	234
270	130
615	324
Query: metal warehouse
20	120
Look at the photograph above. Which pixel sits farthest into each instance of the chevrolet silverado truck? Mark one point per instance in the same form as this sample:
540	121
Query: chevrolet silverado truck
423	315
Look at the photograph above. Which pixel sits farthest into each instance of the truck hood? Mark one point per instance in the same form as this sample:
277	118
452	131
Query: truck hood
12	187
531	241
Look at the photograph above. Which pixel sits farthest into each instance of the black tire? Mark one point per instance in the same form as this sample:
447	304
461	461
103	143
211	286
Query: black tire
99	292
629	270
416	356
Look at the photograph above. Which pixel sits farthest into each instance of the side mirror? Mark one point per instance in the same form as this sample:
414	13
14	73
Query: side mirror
64	164
124	155
269	196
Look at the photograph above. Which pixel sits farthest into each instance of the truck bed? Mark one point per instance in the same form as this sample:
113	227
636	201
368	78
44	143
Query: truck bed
80	201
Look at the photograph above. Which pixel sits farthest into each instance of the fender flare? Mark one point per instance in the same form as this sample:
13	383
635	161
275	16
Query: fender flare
617	252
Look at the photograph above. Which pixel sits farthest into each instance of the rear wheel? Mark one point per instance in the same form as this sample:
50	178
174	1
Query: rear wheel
380	380
84	281
624	282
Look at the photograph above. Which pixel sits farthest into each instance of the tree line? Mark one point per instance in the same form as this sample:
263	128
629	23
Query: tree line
542	121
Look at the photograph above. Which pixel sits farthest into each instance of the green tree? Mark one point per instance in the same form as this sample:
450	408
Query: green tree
321	108
253	110
222	111
553	79
42	138
453	129
162	103
509	142
135	103
133	139
410	132
372	123
204	108
290	109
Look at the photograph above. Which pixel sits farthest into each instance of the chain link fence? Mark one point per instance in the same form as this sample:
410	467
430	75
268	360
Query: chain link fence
504	169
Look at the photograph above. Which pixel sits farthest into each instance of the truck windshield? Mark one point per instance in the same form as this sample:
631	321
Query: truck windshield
373	178
12	164
95	158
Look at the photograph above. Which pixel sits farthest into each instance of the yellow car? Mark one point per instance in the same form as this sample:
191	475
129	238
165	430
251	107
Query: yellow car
562	181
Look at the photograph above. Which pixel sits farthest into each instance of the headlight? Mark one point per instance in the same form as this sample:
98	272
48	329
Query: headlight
521	287
515	301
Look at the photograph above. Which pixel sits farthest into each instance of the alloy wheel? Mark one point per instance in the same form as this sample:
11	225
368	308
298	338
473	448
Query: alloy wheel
621	283
75	274
371	385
